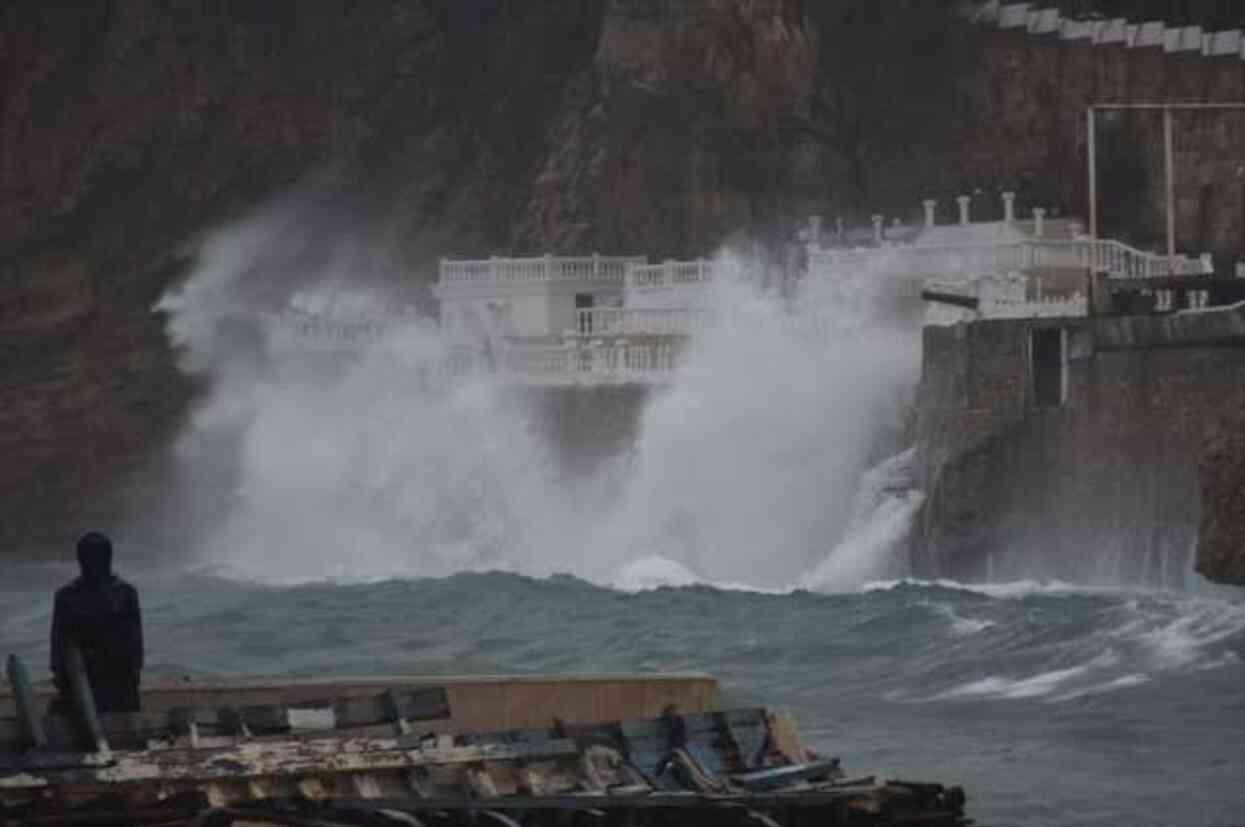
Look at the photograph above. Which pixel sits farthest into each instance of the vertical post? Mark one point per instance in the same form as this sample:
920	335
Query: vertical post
877	229
963	201
814	231
1039	222
1091	142
86	716
1170	174
24	701
930	205
1009	207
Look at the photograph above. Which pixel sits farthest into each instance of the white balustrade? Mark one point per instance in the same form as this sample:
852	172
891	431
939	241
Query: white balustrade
1116	259
635	321
611	269
1071	306
670	273
598	362
311	332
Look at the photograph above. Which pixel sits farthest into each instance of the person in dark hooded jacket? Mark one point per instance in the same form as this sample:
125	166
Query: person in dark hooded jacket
98	612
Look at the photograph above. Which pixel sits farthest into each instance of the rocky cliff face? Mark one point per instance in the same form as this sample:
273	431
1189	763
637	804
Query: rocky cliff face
127	128
448	128
443	127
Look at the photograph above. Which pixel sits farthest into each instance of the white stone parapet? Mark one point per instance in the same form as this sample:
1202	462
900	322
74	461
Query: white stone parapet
1118	32
539	269
636	321
306	331
594	363
1116	259
669	273
1002	297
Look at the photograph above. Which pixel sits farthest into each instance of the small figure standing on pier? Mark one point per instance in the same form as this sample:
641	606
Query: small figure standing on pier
99	614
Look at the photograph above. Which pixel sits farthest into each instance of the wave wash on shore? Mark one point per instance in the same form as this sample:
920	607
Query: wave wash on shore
745	469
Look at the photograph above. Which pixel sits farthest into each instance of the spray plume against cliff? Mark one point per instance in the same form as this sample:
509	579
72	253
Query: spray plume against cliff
743	470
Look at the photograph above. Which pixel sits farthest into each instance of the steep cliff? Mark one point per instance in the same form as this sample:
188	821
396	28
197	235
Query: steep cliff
129	127
437	127
471	127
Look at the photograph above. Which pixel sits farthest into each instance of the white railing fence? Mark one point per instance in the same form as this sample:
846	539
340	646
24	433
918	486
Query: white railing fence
1115	258
636	321
318	332
612	269
669	273
594	363
1070	306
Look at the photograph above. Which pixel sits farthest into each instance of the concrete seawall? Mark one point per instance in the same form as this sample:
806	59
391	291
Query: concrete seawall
1138	462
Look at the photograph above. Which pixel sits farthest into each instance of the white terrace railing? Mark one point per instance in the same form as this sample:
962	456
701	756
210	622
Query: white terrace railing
535	270
1075	305
1003	297
1116	259
310	332
636	321
601	363
670	273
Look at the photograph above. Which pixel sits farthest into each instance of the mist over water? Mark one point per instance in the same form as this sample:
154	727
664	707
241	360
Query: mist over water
744	470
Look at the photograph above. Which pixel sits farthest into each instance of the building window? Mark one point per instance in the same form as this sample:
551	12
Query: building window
1048	366
584	301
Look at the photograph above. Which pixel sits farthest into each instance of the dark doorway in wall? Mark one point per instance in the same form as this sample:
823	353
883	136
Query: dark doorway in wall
584	301
1046	366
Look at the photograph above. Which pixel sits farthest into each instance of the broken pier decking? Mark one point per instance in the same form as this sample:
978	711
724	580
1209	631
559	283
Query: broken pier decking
477	703
372	755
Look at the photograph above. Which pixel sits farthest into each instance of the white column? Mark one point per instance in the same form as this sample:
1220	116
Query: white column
963	201
814	230
930	205
1009	207
1039	222
877	229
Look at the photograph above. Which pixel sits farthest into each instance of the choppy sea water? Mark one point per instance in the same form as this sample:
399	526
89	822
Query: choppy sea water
1050	704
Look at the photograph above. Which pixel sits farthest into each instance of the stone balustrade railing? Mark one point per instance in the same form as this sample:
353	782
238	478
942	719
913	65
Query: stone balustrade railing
596	363
540	269
1114	258
322	332
1003	297
670	273
633	321
1043	308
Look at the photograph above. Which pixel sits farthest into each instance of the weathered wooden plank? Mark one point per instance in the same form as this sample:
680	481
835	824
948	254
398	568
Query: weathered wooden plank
135	729
783	776
259	759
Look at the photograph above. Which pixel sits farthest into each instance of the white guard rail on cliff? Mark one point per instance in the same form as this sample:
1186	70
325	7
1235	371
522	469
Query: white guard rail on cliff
309	332
1003	297
1075	305
636	321
594	364
1116	259
537	270
670	273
